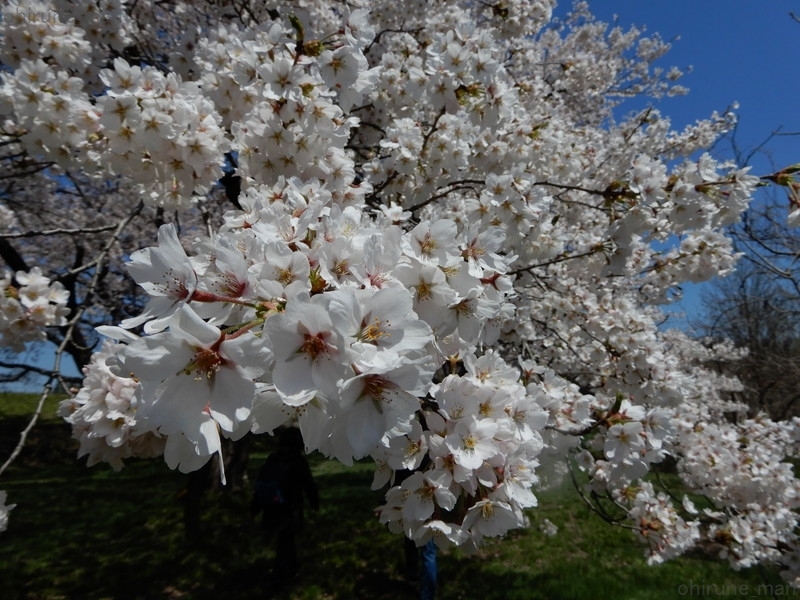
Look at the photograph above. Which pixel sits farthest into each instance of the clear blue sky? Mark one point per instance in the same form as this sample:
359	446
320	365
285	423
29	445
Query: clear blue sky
743	51
740	51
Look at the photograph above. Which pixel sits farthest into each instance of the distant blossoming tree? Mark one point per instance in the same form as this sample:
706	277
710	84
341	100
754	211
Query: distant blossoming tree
415	230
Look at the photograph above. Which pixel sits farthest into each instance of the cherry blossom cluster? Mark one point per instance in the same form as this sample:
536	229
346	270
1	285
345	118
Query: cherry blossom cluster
150	127
302	309
36	30
741	471
744	493
29	303
161	132
103	415
633	440
287	109
473	453
105	23
54	119
447	253
657	520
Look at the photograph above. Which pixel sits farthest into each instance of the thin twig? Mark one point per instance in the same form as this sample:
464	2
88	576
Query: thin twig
23	436
73	323
48	232
555	261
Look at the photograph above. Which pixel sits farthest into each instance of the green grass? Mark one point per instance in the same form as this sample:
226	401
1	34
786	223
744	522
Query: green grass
21	406
92	533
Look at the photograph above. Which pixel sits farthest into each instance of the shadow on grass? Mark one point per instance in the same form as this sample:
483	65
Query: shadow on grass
92	533
81	532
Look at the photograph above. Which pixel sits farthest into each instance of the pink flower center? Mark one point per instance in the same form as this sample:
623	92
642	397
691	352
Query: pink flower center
375	386
206	362
313	345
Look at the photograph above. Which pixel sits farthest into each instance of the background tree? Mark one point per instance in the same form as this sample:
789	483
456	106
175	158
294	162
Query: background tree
754	309
758	306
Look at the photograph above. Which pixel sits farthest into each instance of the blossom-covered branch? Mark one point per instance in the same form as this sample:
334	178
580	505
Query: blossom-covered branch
441	251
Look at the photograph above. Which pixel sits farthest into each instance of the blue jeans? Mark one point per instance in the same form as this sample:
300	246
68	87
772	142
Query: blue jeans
427	580
421	567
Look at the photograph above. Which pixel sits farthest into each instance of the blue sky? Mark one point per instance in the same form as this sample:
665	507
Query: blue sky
739	51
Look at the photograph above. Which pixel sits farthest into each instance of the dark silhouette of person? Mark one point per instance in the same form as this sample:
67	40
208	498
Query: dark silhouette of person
421	569
287	478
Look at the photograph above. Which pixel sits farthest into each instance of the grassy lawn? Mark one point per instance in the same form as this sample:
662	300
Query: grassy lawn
92	533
